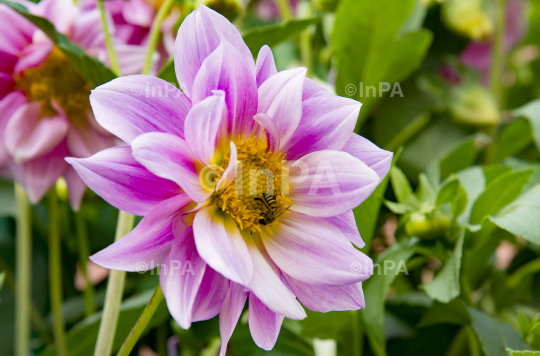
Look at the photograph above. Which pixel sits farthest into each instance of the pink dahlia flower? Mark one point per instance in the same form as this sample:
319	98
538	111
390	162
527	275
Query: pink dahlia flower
209	170
45	113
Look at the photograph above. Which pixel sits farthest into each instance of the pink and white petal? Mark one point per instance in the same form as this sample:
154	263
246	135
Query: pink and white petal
7	84
84	142
40	174
232	308
377	159
225	69
230	173
210	296
312	89
327	123
16	31
330	183
9	105
199	35
168	156
60	12
270	131
28	136
264	324
136	104
315	252
138	12
266	66
267	284
221	245
346	223
206	124
148	245
280	97
325	299
131	58
76	188
180	277
122	181
33	55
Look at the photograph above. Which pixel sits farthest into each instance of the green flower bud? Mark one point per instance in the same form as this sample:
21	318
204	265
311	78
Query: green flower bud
61	189
474	105
426	228
468	17
231	9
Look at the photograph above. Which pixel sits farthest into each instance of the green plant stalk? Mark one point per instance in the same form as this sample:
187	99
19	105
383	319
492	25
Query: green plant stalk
358	333
155	33
23	300
113	297
108	40
55	275
84	252
141	324
284	9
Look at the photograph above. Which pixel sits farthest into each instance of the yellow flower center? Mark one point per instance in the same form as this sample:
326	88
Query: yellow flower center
258	195
55	79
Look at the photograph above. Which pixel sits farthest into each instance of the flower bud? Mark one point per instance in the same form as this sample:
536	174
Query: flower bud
426	227
468	17
231	9
61	189
474	105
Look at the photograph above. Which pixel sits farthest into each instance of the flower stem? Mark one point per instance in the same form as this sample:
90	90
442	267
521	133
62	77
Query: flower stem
498	60
141	324
55	275
284	9
155	33
108	40
24	273
358	334
84	252
113	298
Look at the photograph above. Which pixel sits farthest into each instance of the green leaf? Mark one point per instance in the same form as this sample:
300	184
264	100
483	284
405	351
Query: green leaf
167	72
81	339
454	312
446	284
461	156
524	324
376	288
2	278
402	188
474	182
513	138
92	70
390	53
275	34
426	193
531	112
453	192
488	333
499	193
522	353
521	216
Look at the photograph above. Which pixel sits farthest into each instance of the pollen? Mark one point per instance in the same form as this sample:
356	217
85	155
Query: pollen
56	80
260	171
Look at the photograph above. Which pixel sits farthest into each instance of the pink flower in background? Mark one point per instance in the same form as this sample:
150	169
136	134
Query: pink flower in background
45	112
478	54
198	165
268	10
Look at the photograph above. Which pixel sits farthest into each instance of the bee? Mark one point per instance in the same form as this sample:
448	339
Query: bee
272	209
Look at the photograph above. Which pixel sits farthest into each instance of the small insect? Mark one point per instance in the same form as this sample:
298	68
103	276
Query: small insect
272	209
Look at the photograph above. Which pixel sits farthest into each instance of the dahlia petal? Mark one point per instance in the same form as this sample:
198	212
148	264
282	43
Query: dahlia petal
312	89
346	223
132	105
9	105
16	31
267	284
210	296
6	83
84	141
131	59
199	35
330	183
266	66
169	157
327	123
60	12
230	173
377	159
138	12
76	188
28	136
270	130
225	69
122	181
220	244
325	299
264	324
315	252
204	126
148	244
280	97
33	55
180	277
232	308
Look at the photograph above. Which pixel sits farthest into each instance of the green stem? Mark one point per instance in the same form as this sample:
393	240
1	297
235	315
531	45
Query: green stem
155	32
358	335
108	40
55	275
284	9
306	52
141	324
84	252
113	298
23	286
